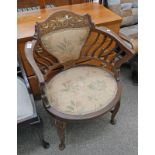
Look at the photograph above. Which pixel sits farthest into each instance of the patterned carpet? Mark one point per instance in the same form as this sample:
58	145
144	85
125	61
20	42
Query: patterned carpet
95	137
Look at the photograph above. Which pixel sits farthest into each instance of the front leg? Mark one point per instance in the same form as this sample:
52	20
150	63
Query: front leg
61	126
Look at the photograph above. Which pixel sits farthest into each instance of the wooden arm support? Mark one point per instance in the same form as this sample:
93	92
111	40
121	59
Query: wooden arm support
127	39
29	47
123	47
131	40
117	38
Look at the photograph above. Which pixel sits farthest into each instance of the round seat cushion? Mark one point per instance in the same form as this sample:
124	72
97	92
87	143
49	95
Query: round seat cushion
81	90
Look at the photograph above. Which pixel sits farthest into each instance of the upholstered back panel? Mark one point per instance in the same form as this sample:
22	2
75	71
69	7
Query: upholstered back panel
65	44
128	9
63	34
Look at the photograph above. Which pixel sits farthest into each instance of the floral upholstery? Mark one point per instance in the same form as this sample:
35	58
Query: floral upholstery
81	90
127	9
65	44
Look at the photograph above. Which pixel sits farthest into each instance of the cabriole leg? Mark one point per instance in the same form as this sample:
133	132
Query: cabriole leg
61	126
114	112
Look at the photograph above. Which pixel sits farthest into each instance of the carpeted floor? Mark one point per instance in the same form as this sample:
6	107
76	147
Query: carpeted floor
95	137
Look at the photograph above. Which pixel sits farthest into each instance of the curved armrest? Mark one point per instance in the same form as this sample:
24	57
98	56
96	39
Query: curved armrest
129	52
117	38
127	39
29	47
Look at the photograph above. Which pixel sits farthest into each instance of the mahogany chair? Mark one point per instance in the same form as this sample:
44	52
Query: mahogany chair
77	65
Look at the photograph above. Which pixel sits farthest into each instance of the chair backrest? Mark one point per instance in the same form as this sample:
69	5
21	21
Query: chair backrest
127	9
63	34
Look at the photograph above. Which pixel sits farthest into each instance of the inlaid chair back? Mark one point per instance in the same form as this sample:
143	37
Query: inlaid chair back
63	35
67	39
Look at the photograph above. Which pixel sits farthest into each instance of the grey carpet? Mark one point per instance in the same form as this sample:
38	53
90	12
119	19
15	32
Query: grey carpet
95	137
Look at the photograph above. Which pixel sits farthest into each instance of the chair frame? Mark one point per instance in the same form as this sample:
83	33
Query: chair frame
46	66
35	120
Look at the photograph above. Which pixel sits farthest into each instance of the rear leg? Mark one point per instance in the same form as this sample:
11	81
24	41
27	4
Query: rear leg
114	112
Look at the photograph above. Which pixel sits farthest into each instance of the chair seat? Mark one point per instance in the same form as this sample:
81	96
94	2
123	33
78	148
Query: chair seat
132	33
24	103
81	90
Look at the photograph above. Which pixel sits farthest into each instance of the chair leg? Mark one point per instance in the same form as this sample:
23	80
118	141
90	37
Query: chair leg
61	126
114	112
39	129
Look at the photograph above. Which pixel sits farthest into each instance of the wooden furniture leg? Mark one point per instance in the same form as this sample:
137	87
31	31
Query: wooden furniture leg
114	112
39	129
61	126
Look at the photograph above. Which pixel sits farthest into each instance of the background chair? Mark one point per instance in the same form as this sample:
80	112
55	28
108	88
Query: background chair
77	66
128	10
26	109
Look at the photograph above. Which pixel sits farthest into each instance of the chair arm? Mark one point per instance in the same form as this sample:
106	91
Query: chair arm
29	47
127	39
129	52
116	37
